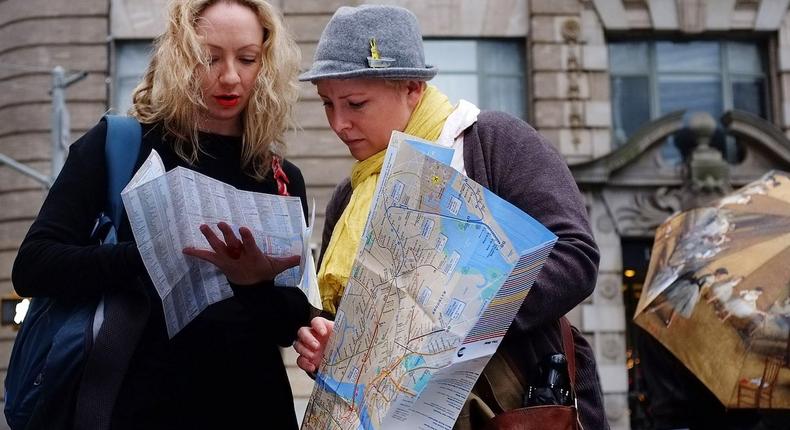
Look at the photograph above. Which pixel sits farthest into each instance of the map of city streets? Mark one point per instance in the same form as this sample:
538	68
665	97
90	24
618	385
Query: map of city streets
442	268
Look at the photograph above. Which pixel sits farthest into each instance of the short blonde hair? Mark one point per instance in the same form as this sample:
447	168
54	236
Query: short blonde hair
170	91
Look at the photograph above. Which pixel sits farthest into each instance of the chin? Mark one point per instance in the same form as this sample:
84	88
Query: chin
359	157
225	115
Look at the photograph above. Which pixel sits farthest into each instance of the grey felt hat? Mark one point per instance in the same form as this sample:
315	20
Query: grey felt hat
370	41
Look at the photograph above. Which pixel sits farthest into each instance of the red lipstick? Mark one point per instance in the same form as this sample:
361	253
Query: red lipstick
227	100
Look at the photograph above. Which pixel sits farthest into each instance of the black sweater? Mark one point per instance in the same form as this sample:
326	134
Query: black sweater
224	369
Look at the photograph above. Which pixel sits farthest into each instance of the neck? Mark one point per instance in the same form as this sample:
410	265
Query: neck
225	127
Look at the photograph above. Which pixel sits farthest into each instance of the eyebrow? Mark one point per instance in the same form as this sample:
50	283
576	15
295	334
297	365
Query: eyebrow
345	96
251	45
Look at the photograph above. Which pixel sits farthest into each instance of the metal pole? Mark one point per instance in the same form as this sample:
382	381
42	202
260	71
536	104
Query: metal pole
21	168
60	135
58	121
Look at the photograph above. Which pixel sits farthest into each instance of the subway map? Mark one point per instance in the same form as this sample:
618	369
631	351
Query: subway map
441	271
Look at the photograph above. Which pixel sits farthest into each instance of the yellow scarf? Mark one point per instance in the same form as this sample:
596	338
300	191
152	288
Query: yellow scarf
426	122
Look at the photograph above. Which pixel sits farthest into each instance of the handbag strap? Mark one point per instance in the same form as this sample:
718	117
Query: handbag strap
570	356
569	350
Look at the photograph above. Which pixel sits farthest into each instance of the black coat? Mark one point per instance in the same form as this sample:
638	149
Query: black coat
224	370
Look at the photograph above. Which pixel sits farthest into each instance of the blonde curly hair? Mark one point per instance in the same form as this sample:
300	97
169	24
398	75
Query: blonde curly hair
170	91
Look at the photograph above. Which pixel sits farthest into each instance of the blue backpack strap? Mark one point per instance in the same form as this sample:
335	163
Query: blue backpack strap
49	351
121	149
124	136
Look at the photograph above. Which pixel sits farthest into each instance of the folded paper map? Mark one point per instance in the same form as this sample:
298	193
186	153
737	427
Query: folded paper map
443	266
165	211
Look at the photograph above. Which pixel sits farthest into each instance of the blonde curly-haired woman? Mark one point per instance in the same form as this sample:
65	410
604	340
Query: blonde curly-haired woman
216	98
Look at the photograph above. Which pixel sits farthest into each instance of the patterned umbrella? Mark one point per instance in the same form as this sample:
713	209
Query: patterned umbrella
717	293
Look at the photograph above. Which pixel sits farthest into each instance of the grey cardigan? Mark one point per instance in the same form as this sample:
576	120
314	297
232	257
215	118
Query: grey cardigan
510	158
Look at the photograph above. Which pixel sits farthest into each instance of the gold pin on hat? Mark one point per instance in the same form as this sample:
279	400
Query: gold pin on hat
375	60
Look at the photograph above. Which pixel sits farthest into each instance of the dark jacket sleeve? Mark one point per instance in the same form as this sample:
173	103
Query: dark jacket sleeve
518	164
57	257
281	310
334	208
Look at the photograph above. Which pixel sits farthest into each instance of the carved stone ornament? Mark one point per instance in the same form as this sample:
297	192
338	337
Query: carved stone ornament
648	211
574	89
611	346
605	224
575	117
571	29
573	62
608	289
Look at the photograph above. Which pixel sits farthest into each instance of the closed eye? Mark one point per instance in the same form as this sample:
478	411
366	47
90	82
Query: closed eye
357	105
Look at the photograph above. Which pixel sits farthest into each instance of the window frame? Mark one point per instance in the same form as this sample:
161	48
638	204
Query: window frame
480	71
725	75
117	75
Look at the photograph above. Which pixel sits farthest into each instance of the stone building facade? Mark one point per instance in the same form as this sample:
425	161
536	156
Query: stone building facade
568	96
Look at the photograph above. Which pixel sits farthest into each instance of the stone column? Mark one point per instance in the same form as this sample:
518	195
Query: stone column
569	81
604	318
572	107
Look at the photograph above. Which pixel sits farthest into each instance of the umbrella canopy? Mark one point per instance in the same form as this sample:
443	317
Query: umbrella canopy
717	293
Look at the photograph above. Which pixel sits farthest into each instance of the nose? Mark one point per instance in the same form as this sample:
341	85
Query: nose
338	121
229	76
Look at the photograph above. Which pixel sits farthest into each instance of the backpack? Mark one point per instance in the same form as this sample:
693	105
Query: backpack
57	334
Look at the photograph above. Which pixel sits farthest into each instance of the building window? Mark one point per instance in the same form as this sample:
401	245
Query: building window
652	78
488	73
131	60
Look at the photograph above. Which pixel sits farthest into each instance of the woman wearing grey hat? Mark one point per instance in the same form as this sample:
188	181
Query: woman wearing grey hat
370	72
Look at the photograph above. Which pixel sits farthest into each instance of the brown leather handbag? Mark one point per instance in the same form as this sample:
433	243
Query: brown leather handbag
495	401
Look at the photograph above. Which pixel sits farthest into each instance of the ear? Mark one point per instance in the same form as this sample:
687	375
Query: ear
414	92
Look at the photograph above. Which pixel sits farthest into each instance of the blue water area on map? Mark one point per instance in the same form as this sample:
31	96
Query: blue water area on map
422	381
413	361
347	391
476	245
524	232
474	242
440	153
422	377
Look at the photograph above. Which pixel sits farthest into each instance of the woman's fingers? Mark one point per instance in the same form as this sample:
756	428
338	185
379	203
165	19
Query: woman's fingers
240	259
305	336
311	343
231	246
202	254
305	351
280	264
319	325
322	327
306	365
308	359
216	244
234	245
248	240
